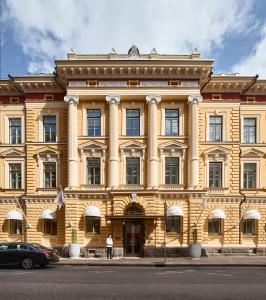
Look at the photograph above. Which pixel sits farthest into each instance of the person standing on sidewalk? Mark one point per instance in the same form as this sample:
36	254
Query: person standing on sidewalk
109	246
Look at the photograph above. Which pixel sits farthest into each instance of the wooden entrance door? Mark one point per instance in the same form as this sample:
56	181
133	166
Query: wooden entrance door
133	239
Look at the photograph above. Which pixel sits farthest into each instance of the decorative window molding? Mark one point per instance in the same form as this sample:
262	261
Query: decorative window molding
45	155
172	149
257	117
92	149
251	156
7	117
180	108
224	124
132	149
93	105
48	114
132	105
217	154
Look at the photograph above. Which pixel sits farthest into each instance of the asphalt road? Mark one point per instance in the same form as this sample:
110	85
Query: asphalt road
84	282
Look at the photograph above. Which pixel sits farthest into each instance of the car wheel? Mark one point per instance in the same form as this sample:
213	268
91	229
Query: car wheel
27	263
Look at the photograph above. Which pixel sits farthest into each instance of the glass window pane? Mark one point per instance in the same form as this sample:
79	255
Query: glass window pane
215	174
132	171
15	130
171	122
94	122
249	130
93	170
49	170
249	175
49	128
133	122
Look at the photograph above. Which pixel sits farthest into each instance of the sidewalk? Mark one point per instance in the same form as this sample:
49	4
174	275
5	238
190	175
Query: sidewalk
169	262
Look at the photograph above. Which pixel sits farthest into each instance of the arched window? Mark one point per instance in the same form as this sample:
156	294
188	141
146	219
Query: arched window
133	210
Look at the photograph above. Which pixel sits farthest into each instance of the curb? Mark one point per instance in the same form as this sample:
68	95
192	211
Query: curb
161	265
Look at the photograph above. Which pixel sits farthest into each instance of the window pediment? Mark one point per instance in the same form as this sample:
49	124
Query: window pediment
252	153
133	149
216	153
47	154
93	148
173	148
12	153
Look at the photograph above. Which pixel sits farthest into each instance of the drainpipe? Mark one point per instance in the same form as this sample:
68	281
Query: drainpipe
208	80
240	178
254	80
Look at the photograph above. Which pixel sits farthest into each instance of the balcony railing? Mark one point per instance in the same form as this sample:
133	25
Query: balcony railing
93	187
171	187
48	191
133	187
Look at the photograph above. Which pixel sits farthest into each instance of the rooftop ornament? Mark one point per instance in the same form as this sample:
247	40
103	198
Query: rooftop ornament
133	52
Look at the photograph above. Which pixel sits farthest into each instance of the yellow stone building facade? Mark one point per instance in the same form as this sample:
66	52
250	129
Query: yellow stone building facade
146	147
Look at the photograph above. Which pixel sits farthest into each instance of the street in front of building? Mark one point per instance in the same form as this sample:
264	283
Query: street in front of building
106	282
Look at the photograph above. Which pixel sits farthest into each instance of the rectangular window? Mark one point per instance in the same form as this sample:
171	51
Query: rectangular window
94	170
133	170
49	129
133	122
49	170
215	128
249	130
249	176
15	176
171	122
214	227
93	224
249	227
50	227
171	170
15	130
173	224
215	174
94	122
15	227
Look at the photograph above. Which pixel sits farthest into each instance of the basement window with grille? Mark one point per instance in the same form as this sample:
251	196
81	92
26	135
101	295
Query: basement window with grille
250	99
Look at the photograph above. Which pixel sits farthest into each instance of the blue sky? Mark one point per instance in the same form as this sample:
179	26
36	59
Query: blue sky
35	32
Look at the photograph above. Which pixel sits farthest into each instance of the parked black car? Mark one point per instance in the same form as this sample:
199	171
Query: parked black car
26	255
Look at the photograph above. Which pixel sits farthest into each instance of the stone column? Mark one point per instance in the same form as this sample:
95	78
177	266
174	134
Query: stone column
194	140
72	101
152	101
113	169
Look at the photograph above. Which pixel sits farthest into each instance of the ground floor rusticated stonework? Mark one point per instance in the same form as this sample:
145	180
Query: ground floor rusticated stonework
142	224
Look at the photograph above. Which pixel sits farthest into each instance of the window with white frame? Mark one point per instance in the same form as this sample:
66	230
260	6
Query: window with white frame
249	175
249	134
215	174
49	174
132	122
171	122
215	128
132	170
48	169
93	170
216	167
171	170
49	129
94	122
15	130
15	176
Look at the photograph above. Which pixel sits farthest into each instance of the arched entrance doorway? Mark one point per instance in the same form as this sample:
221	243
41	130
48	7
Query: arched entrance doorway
133	231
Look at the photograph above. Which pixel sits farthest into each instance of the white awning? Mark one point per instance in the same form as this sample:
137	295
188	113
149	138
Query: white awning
14	215
92	211
251	214
217	214
175	211
48	215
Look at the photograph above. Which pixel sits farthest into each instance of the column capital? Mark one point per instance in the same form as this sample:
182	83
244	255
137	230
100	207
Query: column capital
71	98
153	99
195	99
113	99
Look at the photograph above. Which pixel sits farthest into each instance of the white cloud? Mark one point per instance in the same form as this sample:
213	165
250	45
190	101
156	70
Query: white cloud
255	63
49	29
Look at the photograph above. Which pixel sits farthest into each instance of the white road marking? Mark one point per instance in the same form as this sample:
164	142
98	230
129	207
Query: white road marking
169	272
219	274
